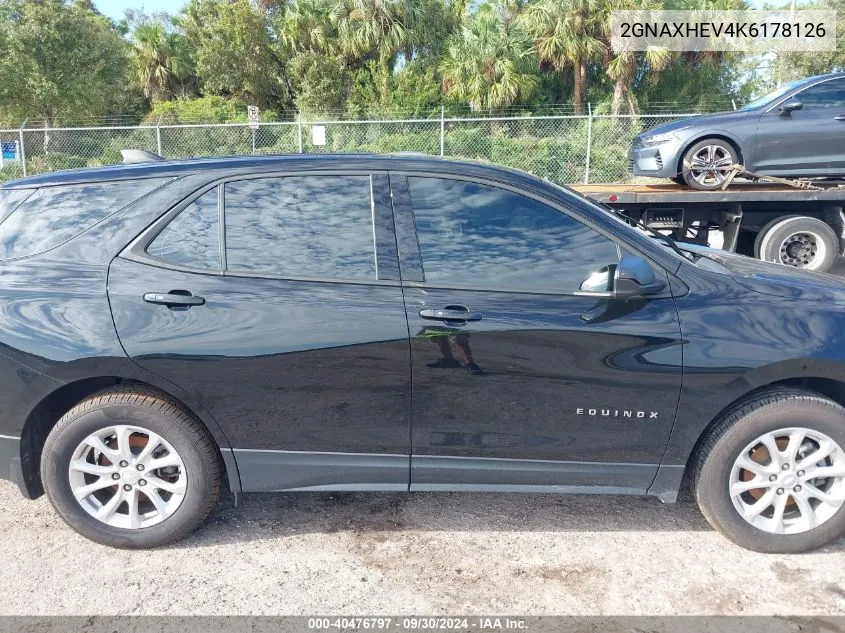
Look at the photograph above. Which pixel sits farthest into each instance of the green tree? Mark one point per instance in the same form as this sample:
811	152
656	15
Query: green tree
234	51
320	82
162	60
567	34
59	60
489	63
376	29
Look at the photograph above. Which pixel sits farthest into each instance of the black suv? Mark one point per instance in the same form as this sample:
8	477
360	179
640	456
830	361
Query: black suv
390	323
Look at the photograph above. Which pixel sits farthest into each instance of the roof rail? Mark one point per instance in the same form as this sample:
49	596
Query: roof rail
133	156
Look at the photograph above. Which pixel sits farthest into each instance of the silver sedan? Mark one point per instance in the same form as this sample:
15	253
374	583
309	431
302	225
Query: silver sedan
796	131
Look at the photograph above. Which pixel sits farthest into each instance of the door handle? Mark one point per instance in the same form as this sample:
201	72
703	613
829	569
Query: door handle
174	298
841	117
450	315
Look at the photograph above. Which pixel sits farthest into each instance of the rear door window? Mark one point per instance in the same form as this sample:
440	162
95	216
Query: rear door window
301	226
53	215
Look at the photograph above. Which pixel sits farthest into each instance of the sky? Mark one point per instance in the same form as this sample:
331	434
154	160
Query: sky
115	8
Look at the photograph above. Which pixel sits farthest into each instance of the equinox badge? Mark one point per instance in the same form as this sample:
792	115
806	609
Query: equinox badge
617	413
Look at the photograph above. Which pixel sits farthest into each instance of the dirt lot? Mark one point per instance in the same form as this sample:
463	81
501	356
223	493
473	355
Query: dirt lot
427	553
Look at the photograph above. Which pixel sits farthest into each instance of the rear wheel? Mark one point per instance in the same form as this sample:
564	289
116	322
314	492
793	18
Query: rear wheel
130	469
771	474
799	241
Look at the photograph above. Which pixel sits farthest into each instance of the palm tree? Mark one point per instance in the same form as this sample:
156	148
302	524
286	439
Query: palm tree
622	65
307	27
489	63
375	28
162	61
566	34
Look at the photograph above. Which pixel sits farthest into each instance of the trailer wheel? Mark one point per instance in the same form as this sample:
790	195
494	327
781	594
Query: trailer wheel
798	241
766	228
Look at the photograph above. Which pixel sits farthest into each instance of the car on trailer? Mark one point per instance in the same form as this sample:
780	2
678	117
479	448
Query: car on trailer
796	131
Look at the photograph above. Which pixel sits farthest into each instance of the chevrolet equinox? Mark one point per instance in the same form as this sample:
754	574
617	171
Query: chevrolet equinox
387	323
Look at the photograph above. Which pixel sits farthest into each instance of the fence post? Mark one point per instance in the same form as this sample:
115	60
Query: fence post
442	128
23	151
158	136
589	143
253	140
299	129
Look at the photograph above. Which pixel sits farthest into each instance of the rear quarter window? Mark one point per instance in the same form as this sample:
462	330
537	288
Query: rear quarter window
46	217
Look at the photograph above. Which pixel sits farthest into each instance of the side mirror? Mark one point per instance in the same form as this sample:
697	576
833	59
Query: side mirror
789	106
631	277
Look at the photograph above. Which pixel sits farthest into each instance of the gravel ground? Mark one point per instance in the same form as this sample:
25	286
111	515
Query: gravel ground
425	553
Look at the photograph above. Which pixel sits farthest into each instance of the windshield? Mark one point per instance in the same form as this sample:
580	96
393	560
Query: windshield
773	96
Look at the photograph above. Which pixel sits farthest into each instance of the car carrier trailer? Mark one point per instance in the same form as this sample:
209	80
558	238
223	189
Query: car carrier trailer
771	221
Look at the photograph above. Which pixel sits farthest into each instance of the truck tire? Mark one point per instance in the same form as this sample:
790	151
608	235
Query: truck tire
705	166
798	241
770	476
131	469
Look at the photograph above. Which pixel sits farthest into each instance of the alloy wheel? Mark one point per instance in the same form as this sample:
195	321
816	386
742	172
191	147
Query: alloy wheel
710	165
127	477
789	481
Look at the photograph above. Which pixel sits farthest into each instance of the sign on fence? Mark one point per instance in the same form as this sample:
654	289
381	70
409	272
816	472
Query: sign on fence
318	134
8	151
252	113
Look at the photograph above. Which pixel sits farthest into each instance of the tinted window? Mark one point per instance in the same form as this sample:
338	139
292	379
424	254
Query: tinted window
10	199
191	238
830	94
476	235
53	215
301	226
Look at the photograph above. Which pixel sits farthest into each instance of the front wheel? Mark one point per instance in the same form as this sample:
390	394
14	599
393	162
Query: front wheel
771	475
130	469
707	164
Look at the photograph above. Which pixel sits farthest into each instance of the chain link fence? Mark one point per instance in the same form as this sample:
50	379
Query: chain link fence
562	148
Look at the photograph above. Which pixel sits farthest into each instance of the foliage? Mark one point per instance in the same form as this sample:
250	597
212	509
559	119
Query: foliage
416	91
320	82
162	61
234	51
566	34
61	60
489	62
58	60
212	109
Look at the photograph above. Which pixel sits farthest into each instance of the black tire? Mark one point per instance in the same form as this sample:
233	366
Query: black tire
749	419
678	180
819	254
725	151
160	415
764	231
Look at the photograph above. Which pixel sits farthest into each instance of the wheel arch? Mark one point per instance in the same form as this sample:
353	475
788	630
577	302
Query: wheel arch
828	387
703	137
46	414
